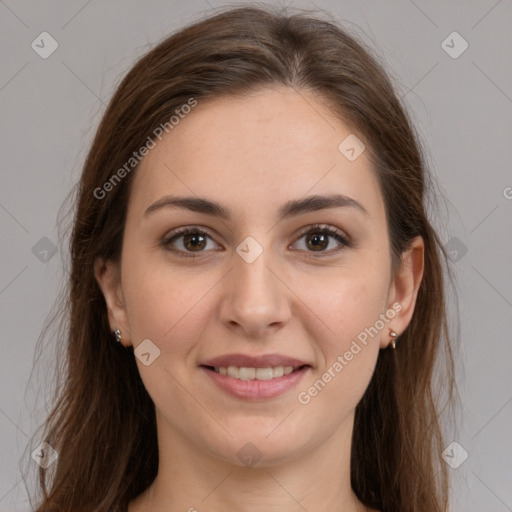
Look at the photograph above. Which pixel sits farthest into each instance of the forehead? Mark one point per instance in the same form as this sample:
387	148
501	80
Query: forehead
257	150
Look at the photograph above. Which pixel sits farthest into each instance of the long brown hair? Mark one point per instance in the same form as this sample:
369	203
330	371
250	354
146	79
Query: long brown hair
102	422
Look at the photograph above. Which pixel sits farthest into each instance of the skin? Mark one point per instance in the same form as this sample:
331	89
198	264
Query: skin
253	154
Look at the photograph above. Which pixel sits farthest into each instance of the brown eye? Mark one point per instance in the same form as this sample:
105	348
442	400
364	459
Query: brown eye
317	241
318	238
187	241
194	241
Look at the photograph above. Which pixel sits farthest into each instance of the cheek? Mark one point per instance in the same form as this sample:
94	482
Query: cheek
162	302
355	310
349	351
356	307
164	305
347	302
351	305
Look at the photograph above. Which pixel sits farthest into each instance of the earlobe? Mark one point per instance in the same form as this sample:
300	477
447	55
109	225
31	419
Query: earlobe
404	287
107	274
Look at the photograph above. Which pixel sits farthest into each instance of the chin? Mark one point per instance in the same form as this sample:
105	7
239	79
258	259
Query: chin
262	448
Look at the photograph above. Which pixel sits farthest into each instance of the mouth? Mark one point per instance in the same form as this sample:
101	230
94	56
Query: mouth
255	383
255	373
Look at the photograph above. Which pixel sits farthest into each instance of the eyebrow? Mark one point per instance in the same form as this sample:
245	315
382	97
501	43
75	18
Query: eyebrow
289	209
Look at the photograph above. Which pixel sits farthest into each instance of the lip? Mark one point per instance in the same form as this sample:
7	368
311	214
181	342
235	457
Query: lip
263	361
256	390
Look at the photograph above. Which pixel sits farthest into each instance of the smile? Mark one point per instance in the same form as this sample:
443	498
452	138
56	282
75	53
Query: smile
255	383
244	373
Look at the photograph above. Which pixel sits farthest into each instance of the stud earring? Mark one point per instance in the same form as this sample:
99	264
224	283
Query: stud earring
393	335
117	335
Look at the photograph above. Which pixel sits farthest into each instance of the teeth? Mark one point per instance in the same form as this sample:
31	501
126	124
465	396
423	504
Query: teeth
244	373
278	371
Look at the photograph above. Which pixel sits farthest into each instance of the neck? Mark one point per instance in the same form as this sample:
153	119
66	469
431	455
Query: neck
189	479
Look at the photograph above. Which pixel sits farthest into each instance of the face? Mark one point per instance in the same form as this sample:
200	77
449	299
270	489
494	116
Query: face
264	281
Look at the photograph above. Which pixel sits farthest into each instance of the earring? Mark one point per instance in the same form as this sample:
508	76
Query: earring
117	335
393	335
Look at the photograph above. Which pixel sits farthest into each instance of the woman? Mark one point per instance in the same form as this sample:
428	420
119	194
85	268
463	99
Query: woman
256	297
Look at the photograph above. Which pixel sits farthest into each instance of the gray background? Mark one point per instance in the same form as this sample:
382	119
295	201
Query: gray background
462	107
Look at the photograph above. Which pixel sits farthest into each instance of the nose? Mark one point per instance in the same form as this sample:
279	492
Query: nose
256	300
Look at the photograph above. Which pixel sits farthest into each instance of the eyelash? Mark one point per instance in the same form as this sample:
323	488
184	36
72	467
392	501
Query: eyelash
315	229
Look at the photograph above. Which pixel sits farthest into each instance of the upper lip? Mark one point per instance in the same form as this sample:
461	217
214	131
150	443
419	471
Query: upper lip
246	361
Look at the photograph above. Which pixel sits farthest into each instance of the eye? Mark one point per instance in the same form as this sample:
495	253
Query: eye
195	240
317	239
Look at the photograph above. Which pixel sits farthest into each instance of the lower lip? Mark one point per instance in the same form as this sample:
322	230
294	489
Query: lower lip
256	389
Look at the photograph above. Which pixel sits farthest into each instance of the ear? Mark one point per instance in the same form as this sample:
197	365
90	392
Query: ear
108	276
404	287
